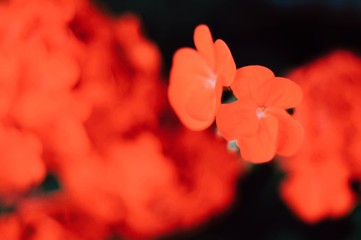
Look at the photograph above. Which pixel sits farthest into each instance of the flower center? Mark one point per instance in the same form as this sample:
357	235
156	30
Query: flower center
260	112
211	83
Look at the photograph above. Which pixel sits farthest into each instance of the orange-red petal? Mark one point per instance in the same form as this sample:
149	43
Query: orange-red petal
237	119
202	104
261	147
204	43
279	92
290	135
249	78
224	63
189	77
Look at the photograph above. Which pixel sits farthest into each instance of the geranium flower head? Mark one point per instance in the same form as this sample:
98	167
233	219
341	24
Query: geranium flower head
317	184
258	120
197	77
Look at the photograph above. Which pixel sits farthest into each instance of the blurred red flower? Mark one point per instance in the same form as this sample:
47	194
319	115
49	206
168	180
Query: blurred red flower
21	163
318	176
150	192
81	99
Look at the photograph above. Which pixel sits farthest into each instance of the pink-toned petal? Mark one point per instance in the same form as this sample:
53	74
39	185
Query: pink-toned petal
261	147
204	43
279	92
189	76
237	119
225	66
249	78
290	135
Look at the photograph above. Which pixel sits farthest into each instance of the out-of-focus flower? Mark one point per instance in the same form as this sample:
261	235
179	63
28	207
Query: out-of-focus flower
317	185
20	160
50	218
81	96
258	119
147	191
10	228
197	78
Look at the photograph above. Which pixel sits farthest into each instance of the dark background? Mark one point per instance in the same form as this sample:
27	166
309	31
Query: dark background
280	34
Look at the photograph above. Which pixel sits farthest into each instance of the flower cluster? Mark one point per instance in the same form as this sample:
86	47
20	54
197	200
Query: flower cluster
319	176
257	120
81	100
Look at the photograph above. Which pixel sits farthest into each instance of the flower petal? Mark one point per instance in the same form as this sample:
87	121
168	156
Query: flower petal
224	63
261	147
249	78
202	104
290	135
237	119
204	43
189	76
279	92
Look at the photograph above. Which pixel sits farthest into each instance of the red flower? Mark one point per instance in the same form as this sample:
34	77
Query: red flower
152	193
258	120
20	160
81	98
319	174
197	78
318	190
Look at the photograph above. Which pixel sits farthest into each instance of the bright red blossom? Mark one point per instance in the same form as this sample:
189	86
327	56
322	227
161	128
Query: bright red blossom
197	78
258	119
